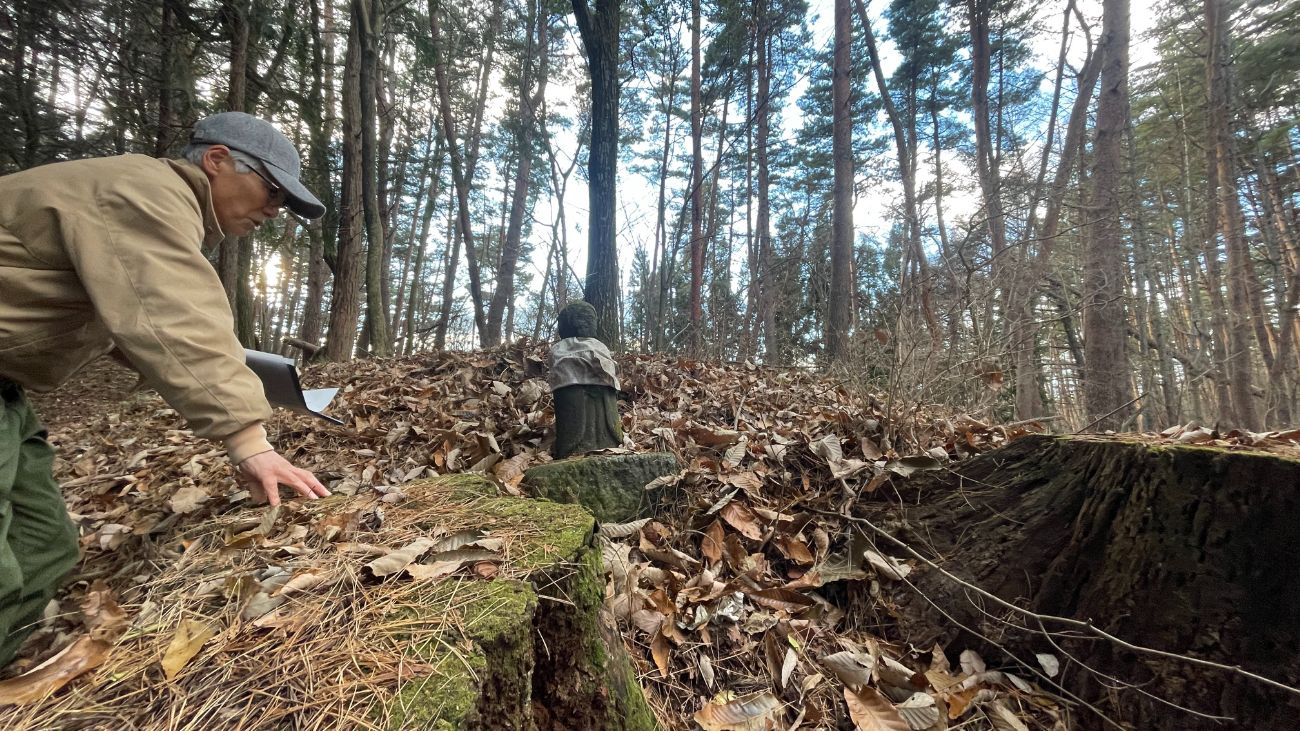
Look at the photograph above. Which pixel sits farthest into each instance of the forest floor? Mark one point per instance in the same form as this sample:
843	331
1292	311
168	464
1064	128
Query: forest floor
750	599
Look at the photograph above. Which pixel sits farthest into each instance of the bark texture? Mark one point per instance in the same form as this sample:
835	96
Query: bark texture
839	316
598	27
1181	549
1106	388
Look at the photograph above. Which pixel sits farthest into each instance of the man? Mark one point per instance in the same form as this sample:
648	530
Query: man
109	252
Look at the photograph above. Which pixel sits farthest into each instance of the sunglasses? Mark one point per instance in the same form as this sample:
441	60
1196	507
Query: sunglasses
275	194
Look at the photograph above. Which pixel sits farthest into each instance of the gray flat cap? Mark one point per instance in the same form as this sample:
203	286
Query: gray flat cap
260	138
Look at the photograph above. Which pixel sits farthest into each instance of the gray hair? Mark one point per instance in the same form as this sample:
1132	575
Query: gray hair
244	163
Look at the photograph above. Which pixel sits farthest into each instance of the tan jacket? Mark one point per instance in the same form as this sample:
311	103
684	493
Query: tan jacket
109	251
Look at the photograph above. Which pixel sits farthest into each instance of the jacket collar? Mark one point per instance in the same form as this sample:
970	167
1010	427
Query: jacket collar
202	187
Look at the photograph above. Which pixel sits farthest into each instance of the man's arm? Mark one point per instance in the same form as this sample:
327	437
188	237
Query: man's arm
137	253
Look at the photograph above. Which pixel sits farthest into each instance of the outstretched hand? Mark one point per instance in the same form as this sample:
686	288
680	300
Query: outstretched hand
263	474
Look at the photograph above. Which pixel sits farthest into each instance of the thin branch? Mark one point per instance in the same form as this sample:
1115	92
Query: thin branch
1087	626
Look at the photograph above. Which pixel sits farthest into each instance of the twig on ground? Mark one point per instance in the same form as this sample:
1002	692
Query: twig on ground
1087	626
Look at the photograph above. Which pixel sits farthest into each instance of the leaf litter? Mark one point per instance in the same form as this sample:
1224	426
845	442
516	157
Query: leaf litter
732	601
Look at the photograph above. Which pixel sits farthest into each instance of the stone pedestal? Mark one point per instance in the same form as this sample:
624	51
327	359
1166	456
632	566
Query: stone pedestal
611	487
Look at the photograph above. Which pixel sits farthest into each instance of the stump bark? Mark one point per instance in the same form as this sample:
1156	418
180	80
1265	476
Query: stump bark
1184	549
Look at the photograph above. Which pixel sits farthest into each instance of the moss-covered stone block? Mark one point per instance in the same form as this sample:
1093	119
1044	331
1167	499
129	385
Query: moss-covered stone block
612	487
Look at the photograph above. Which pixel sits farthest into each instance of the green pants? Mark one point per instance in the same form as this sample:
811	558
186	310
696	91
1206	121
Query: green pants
38	543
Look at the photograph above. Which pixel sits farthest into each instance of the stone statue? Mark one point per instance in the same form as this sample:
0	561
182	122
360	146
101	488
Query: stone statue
584	381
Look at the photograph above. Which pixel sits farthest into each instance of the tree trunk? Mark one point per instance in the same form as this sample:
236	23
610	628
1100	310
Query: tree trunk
346	305
1173	548
599	29
451	257
697	192
986	154
762	223
723	307
658	260
168	122
368	15
322	233
314	305
430	171
529	101
839	316
1231	223
235	16
461	166
750	334
421	244
1106	389
907	173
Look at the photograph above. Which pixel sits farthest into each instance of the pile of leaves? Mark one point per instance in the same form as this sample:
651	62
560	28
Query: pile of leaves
1284	442
751	603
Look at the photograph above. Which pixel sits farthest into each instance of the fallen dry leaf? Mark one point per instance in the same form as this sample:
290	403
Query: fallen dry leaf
887	567
851	668
706	437
909	465
972	663
752	713
711	544
397	560
301	582
828	448
660	652
191	634
740	517
787	666
187	499
622	530
919	711
339	526
871	712
795	549
1050	664
890	671
648	620
706	669
433	571
511	471
779	598
81	656
1003	719
101	614
447	563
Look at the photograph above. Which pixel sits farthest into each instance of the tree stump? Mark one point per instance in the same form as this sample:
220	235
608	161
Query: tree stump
1178	548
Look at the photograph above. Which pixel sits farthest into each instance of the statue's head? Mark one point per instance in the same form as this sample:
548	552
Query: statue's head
578	320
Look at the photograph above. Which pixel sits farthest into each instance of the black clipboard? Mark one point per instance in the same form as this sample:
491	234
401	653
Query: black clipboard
279	378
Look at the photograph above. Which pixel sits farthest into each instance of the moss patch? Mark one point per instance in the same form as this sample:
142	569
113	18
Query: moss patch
525	650
588	680
480	659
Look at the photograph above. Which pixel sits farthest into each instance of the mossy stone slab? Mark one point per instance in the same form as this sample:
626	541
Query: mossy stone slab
612	486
